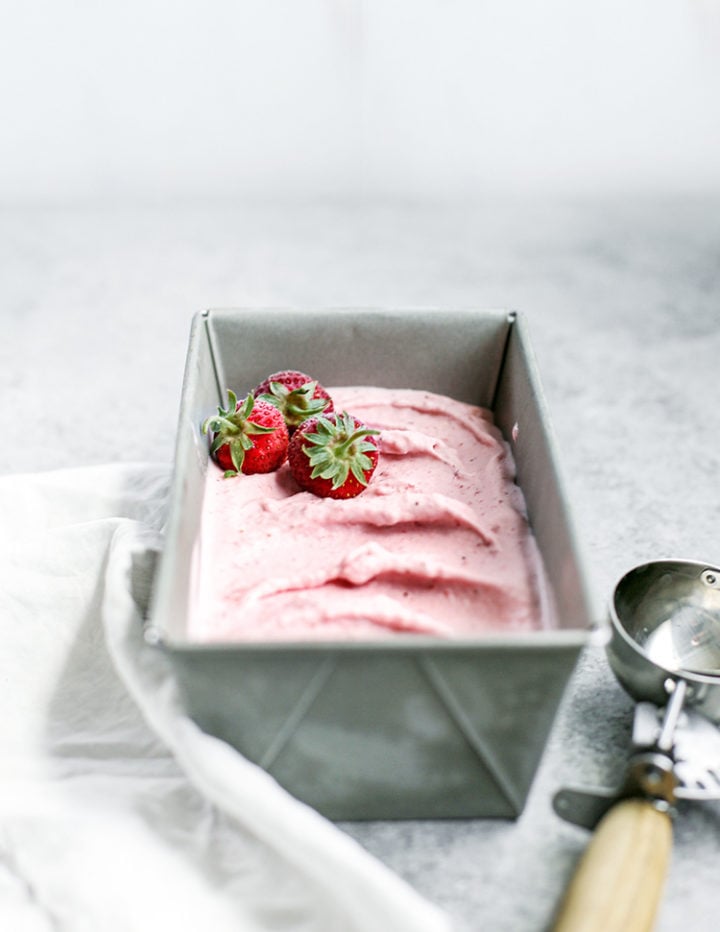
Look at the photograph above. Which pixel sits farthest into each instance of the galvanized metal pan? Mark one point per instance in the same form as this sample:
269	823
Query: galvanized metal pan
413	727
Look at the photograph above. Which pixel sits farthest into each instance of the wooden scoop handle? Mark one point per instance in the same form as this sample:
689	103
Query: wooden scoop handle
619	880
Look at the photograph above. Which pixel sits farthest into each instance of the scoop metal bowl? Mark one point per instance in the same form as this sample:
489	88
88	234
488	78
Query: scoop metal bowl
665	619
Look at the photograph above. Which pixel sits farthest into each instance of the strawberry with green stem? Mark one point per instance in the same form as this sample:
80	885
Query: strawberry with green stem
334	455
297	395
249	436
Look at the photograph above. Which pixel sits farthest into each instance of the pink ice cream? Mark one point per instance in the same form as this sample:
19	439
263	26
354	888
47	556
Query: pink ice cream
438	544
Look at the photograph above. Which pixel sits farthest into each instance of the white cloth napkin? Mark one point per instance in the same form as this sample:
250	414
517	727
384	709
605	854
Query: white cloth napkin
116	812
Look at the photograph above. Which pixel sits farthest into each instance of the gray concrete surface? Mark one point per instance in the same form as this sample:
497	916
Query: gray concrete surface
623	302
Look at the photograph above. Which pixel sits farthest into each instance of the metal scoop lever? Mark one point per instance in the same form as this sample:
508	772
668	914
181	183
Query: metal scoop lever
691	769
697	758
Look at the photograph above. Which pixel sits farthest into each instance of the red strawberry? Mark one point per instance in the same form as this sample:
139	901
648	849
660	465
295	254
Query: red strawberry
296	395
249	436
333	456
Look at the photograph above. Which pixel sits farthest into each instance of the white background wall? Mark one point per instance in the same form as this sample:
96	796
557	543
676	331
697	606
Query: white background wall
294	98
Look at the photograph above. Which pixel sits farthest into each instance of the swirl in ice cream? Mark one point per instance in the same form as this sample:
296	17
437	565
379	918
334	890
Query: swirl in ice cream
438	544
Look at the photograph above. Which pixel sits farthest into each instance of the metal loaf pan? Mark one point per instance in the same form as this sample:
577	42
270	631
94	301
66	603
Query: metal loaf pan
412	727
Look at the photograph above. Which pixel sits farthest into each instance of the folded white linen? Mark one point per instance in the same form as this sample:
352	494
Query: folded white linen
116	812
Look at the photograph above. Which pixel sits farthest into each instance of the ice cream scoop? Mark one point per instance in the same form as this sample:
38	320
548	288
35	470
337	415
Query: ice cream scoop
665	651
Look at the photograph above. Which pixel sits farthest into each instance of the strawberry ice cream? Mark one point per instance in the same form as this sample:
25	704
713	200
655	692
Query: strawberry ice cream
437	544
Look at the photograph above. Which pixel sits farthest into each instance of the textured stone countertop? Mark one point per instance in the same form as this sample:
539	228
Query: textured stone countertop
623	303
